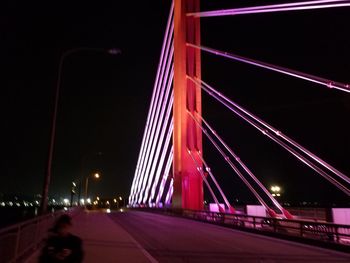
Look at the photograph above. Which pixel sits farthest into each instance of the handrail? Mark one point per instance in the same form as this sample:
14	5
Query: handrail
324	232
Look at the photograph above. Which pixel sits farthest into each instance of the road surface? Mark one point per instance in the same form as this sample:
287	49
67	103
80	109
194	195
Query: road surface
173	239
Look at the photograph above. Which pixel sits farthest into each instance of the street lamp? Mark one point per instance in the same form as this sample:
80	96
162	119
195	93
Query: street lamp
96	176
47	179
276	190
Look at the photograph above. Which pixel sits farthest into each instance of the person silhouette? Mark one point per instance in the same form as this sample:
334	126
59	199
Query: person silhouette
61	245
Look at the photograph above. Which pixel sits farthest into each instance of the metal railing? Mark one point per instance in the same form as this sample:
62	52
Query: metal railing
324	232
19	241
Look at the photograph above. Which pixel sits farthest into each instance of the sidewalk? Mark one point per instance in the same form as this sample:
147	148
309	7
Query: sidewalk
105	241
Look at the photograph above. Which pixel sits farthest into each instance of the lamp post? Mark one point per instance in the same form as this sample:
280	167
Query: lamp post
44	198
276	190
96	176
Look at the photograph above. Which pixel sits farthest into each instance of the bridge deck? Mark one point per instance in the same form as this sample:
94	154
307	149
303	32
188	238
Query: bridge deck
145	237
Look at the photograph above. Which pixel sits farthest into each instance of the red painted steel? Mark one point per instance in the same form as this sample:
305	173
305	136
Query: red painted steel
188	184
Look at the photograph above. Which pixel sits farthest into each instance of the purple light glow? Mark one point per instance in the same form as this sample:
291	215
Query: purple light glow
146	132
162	160
170	192
154	141
278	133
154	122
200	170
227	159
240	162
325	82
159	141
214	180
309	5
237	109
165	175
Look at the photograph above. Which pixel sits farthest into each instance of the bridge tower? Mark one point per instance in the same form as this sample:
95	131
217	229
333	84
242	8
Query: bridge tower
188	183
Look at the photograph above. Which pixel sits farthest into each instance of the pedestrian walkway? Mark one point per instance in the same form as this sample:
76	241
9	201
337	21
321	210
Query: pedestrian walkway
105	241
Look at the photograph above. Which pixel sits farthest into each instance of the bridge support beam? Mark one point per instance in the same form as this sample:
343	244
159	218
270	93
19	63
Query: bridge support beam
188	184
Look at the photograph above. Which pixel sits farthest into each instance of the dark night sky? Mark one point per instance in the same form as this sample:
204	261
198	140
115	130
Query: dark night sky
104	99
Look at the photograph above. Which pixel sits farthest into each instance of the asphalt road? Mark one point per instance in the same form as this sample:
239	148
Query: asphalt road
172	239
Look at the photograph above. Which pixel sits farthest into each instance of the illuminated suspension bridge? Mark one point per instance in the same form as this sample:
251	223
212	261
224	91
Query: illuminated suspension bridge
171	171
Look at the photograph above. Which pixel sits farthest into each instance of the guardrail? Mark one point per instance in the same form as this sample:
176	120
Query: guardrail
19	241
324	232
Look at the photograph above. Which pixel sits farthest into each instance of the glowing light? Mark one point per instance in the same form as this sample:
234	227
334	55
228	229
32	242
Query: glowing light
88	201
107	202
2	204
120	198
121	210
74	184
275	188
98	198
65	201
82	201
108	210
65	208
114	200
97	175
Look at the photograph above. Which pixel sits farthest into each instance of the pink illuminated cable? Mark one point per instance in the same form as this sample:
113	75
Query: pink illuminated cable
164	58
170	192
277	132
246	169
227	159
155	111
162	161
308	5
207	168
149	153
274	138
162	85
166	174
318	80
155	133
141	154
200	170
159	144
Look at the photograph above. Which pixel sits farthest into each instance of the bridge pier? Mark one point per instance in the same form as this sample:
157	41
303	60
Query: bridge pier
188	184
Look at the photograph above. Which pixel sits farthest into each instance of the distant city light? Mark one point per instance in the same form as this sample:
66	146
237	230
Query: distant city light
65	208
65	201
88	201
82	201
120	198
98	198
114	200
108	210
